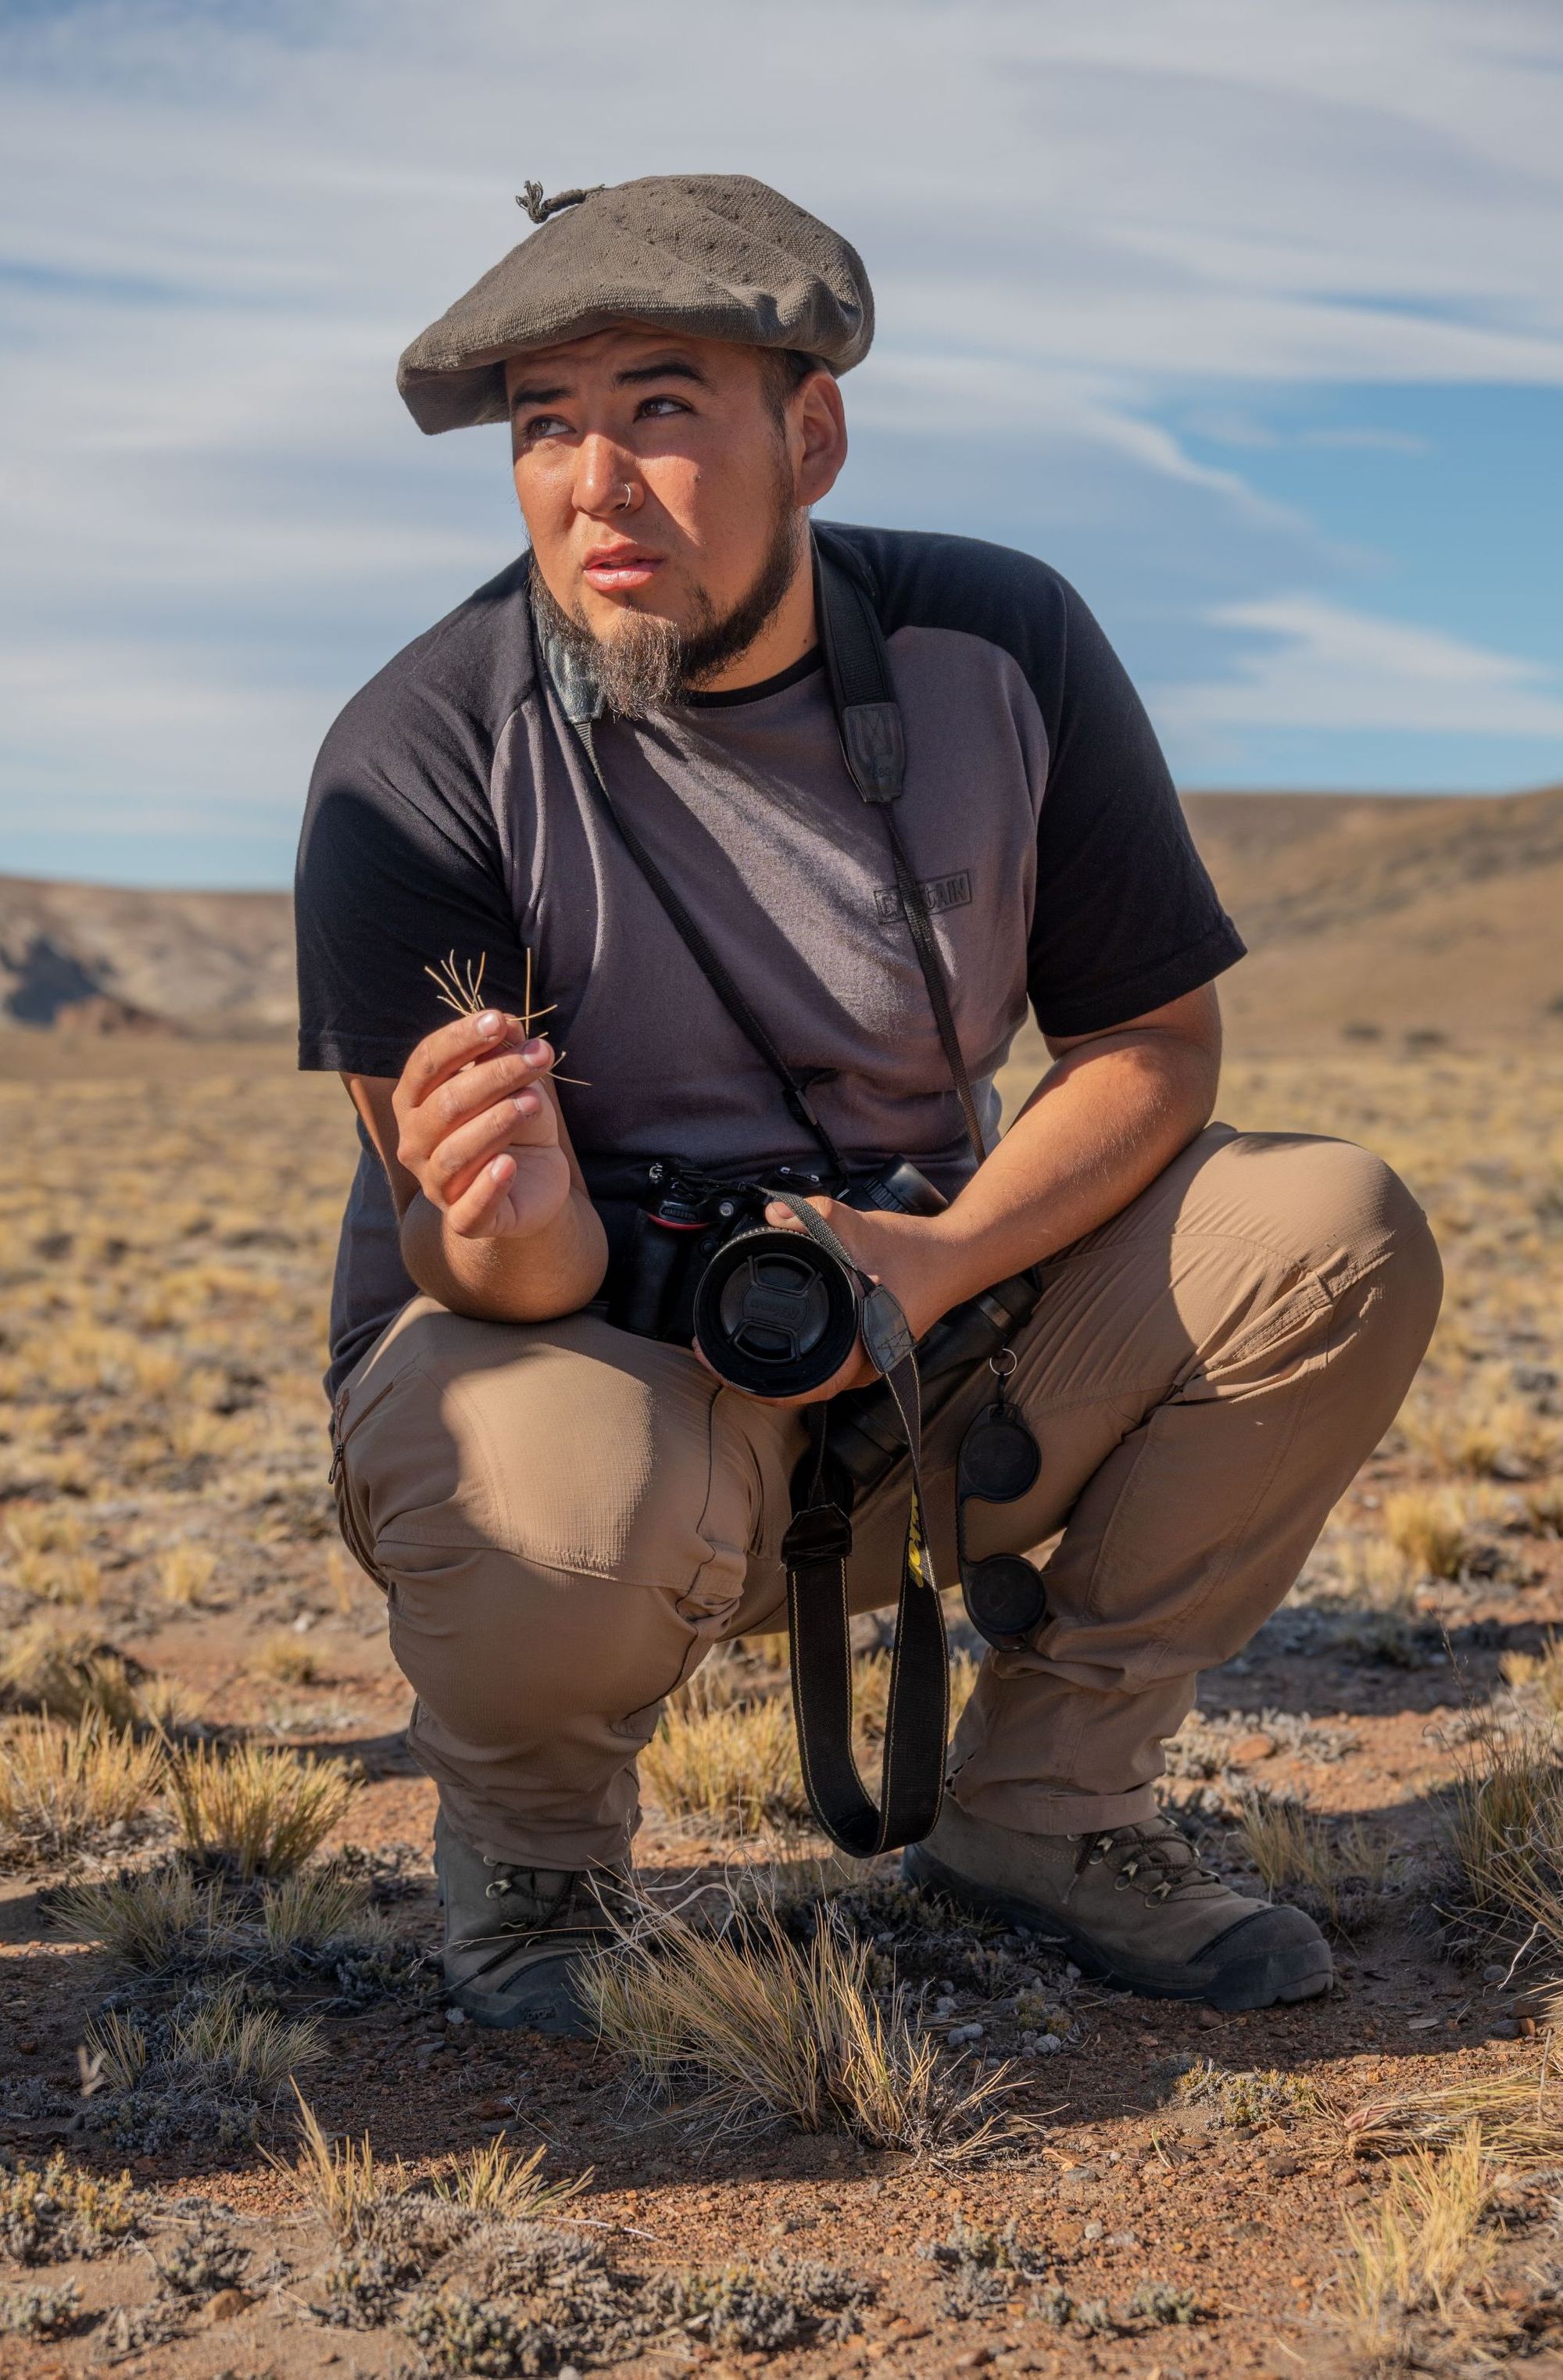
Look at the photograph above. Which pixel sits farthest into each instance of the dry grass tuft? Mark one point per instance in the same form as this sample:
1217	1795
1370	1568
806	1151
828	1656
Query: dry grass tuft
1518	2116
734	1766
144	1920
1428	1527
67	1672
763	2029
256	2047
184	1574
1505	1836
290	1659
318	1905
59	1787
1287	1843
1422	2250
1544	1671
495	2180
340	2179
259	1812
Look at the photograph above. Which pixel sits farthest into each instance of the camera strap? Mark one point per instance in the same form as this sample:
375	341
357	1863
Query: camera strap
873	746
815	1551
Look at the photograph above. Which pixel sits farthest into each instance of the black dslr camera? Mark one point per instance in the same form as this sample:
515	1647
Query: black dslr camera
771	1310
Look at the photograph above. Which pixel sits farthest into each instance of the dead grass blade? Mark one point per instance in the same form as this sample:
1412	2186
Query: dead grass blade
61	1786
259	1812
1517	2117
1421	2249
341	2180
142	1920
495	2180
67	1672
1506	1835
733	1764
764	2029
256	2045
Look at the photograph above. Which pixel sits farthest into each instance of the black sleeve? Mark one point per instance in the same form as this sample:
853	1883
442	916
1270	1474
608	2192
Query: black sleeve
399	864
1126	917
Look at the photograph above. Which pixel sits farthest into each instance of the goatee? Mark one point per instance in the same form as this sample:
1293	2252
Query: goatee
648	664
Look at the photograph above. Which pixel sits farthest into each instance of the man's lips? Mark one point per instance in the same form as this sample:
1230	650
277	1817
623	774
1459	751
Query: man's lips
613	568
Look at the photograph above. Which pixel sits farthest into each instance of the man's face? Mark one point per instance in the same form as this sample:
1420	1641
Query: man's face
658	475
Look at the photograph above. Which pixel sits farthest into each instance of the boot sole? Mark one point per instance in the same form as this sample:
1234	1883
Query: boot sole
1301	1970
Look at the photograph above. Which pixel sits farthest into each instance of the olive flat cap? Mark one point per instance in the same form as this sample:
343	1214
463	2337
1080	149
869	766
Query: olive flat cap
720	256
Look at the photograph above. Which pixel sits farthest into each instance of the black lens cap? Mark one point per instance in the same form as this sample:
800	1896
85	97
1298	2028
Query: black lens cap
1005	1597
1000	1458
774	1313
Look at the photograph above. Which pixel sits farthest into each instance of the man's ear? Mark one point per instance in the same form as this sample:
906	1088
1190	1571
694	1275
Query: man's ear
817	435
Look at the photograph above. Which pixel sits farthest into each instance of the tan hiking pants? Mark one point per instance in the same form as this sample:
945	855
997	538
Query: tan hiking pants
567	1519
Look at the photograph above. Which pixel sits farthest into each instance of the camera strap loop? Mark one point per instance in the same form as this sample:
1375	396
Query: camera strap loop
815	1551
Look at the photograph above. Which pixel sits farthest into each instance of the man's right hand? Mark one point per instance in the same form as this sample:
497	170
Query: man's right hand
478	1128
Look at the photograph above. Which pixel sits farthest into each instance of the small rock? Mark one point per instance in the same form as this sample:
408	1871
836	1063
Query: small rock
1249	1748
973	2358
1093	2231
225	2305
1494	1975
1207	2020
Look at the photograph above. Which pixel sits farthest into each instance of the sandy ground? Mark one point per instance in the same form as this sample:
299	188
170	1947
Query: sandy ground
167	1221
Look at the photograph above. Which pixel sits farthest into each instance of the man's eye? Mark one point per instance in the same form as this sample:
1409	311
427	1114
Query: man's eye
657	408
543	425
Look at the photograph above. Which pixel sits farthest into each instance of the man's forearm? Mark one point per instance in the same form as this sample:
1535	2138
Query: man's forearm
554	1272
1103	1122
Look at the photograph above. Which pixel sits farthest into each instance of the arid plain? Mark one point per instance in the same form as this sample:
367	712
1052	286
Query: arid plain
851	2131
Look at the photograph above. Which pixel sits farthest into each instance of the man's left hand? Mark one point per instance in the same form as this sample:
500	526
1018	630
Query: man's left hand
915	1258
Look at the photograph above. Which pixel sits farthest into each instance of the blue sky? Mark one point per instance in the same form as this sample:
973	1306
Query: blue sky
1248	317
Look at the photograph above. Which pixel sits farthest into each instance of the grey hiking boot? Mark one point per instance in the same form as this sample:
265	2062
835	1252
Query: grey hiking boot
1130	1905
515	1937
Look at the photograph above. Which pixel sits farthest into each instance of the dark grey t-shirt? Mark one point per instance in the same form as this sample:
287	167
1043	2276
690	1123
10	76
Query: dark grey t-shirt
453	811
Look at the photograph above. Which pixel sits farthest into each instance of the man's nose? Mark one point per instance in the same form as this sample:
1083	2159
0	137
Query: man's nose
606	478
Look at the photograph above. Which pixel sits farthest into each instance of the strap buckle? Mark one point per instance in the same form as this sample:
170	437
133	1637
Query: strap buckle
820	1532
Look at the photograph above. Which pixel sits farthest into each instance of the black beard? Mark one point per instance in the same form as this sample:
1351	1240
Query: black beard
648	664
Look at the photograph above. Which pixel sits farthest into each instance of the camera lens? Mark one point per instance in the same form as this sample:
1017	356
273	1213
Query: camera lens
774	1313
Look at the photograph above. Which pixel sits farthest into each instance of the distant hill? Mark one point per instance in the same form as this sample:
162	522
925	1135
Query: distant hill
91	957
1366	916
1423	914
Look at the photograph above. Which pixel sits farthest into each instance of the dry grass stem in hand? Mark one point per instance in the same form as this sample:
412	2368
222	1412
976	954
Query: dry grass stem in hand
461	989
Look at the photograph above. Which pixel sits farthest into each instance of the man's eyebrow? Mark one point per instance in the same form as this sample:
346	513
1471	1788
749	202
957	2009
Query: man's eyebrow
537	393
675	368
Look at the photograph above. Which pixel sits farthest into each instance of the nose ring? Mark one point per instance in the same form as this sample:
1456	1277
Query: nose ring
626	499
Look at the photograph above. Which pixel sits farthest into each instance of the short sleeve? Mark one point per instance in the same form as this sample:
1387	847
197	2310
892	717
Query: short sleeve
398	865
1126	915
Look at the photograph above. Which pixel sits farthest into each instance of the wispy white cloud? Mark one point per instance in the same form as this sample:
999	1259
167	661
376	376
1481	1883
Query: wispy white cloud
1321	665
222	225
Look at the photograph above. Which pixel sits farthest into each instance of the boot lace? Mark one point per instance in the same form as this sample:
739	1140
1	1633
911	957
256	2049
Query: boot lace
541	1909
1164	1862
